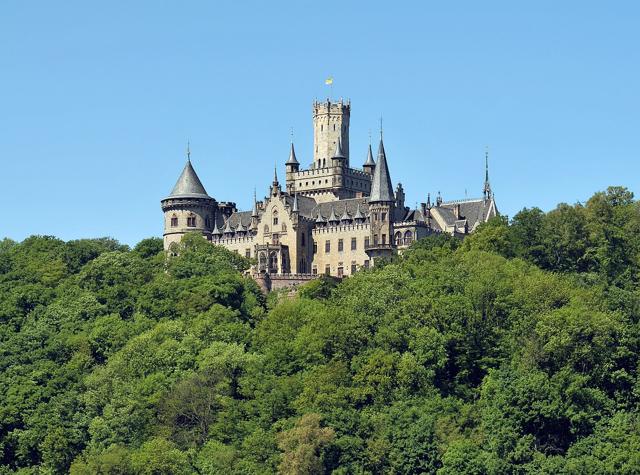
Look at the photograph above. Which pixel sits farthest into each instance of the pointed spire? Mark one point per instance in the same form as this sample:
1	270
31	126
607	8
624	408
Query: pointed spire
486	191
292	157
339	153
358	216
428	200
295	203
345	216
275	175
216	231
332	216
254	211
188	150
320	219
369	162
381	188
188	185
241	228
227	227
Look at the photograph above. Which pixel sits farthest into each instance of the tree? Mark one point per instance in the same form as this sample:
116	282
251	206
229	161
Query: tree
303	446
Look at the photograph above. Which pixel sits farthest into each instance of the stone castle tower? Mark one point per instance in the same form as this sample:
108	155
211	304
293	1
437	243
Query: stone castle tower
330	126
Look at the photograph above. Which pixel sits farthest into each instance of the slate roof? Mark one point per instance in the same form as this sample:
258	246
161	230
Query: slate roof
369	161
381	188
339	207
292	157
188	185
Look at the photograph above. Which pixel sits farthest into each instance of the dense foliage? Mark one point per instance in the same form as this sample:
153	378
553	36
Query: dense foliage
513	351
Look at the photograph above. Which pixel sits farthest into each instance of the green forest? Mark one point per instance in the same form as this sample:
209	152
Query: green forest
513	351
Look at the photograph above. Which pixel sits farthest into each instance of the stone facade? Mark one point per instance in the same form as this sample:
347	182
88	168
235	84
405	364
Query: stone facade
330	219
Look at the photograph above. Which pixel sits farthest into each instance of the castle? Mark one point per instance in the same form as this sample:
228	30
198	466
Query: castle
330	219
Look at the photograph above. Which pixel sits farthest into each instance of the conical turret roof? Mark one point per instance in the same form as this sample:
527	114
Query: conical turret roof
320	218
332	216
381	188
339	153
345	216
216	231
188	185
292	157
227	227
295	204
358	214
369	162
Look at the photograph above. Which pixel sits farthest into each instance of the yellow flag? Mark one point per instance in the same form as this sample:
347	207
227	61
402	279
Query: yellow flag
328	81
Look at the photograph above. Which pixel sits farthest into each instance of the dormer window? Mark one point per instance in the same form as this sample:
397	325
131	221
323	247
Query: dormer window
174	221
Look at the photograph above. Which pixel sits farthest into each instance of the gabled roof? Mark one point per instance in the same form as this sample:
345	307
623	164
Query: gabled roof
381	188
188	185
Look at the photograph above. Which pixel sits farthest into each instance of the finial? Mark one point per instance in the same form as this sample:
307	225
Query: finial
275	173
188	151
291	134
380	126
369	137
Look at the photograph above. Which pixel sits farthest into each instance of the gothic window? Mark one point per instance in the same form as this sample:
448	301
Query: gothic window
191	221
262	262
247	253
327	246
340	269
383	216
354	243
174	221
375	239
273	263
275	217
384	239
366	242
398	238
327	269
340	245
353	267
315	247
408	237
314	270
284	227
275	238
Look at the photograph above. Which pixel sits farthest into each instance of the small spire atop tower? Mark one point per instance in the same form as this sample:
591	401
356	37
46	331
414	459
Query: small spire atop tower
294	209
292	157
486	191
339	153
254	211
381	188
188	151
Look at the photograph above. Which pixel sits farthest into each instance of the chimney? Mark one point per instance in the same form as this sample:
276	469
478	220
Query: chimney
456	210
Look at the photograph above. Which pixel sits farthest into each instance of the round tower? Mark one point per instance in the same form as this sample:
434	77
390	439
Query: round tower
330	123
188	208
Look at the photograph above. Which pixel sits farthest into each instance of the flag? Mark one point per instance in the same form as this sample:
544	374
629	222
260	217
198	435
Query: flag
328	81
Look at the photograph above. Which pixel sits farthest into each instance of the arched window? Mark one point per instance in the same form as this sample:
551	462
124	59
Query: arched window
273	262
174	221
266	228
408	237
191	220
284	227
275	217
262	262
398	238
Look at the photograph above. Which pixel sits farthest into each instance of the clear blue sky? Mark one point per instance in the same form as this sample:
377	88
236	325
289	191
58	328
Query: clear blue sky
98	100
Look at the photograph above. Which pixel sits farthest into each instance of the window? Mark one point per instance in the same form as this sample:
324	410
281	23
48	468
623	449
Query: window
302	240
174	221
327	270
275	217
383	216
247	253
384	239
366	264
375	239
191	221
375	216
354	268
354	244
321	127
207	223
340	270
398	238
275	238
315	247
334	127
284	228
408	237
327	246
314	271
366	242
266	228
340	245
